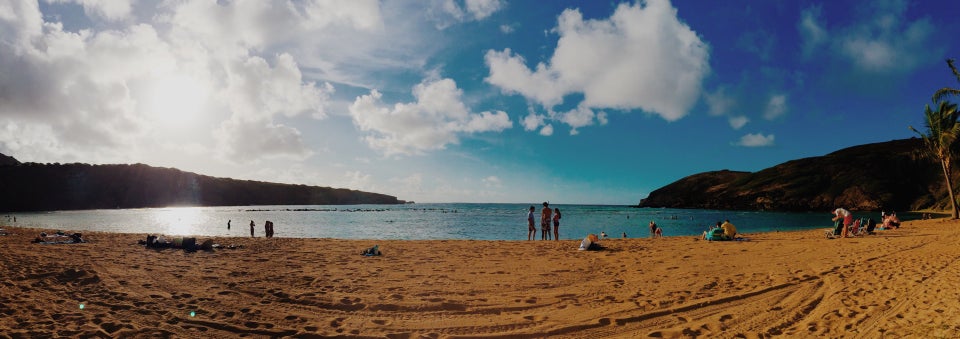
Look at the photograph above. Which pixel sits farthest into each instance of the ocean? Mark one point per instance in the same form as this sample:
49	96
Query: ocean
415	221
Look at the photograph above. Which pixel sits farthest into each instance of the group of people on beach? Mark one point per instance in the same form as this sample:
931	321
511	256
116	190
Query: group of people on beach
846	226
722	231
267	228
547	216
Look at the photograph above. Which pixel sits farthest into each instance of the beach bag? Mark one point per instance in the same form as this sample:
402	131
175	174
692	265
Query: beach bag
190	244
871	225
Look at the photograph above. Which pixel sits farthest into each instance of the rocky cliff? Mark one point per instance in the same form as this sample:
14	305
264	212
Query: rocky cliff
889	175
46	187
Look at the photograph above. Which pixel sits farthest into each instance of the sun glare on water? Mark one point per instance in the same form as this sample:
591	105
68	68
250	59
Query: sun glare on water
179	220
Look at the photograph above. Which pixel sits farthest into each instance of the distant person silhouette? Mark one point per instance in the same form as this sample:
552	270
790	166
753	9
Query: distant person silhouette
531	229
228	224
556	224
545	218
251	228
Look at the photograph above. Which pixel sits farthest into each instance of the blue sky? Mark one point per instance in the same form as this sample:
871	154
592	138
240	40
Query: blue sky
466	101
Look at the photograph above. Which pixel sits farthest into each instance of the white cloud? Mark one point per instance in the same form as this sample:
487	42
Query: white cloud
445	13
756	140
435	120
718	102
506	29
776	107
481	9
532	121
225	75
546	130
737	122
880	40
579	117
244	141
641	57
811	30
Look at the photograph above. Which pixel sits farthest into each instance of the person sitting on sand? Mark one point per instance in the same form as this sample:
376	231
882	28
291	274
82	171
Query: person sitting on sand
729	231
891	221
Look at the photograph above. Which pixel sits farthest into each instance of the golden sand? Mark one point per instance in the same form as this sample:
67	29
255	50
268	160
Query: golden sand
895	284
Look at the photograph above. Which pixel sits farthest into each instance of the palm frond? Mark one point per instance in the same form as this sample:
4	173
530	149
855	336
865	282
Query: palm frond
945	92
953	68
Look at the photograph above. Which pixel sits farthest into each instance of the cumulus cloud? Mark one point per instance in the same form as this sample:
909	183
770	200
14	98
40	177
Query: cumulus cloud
436	119
223	75
737	122
642	57
580	117
719	102
776	107
481	9
756	140
447	12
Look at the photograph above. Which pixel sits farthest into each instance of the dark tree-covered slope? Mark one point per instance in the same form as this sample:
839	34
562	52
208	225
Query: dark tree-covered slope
45	187
887	175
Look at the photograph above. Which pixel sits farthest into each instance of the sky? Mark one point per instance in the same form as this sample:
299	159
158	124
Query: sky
522	101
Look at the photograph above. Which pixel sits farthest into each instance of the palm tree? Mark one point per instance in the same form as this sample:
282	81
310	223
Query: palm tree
942	135
945	92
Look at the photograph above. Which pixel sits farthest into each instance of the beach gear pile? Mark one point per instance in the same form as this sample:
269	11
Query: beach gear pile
370	252
59	238
188	244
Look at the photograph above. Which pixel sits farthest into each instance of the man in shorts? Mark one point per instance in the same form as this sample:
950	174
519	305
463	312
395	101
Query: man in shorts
546	217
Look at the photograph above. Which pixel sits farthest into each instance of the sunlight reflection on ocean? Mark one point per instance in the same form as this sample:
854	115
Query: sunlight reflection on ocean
413	221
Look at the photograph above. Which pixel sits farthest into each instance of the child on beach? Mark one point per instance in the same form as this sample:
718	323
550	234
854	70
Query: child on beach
531	229
556	224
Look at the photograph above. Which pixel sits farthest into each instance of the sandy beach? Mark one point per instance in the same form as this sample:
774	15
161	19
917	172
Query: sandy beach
898	283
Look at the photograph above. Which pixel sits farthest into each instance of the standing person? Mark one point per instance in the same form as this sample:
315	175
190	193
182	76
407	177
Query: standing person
545	216
846	216
556	224
653	229
266	228
531	229
251	228
228	224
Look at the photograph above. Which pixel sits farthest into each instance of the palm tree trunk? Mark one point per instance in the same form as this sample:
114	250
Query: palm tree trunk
946	175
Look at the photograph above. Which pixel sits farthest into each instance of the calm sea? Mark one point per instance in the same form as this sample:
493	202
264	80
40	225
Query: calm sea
414	221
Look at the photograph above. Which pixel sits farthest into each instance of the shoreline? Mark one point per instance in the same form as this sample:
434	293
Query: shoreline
795	283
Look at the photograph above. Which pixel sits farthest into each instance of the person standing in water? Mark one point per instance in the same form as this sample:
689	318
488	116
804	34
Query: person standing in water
228	224
251	228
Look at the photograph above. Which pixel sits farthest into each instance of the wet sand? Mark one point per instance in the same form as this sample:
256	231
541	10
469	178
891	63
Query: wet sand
897	283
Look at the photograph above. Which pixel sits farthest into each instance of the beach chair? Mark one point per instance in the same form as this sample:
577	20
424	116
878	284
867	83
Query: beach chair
860	227
836	231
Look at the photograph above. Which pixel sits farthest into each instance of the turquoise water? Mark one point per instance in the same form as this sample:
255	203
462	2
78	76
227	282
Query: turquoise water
415	221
